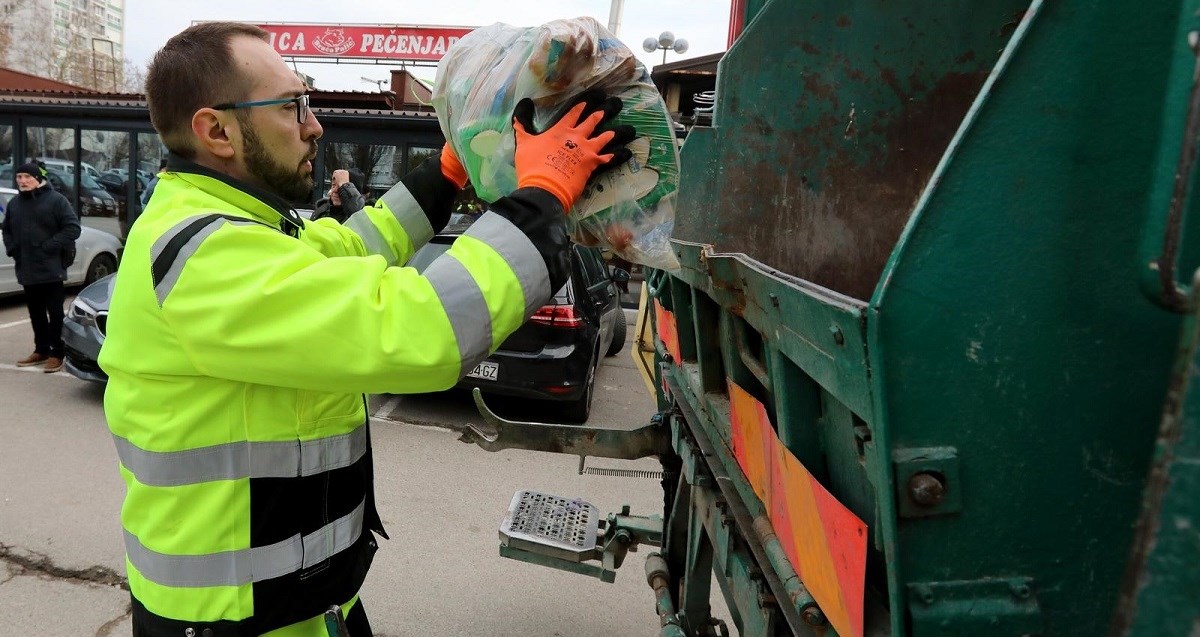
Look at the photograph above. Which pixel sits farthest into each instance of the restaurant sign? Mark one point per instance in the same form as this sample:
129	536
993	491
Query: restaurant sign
415	43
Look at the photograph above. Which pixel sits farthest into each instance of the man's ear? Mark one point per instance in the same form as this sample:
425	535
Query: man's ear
214	132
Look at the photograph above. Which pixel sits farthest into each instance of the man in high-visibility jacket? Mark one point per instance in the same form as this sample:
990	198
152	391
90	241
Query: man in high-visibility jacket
241	337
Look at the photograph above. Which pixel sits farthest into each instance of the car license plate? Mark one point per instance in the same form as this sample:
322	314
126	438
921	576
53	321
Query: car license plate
485	371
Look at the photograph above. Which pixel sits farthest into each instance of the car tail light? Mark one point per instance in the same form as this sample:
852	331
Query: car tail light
557	316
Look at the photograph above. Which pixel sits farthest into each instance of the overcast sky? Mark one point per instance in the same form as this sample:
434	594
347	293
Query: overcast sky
703	23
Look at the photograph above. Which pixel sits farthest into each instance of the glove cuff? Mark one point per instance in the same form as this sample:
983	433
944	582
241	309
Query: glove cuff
551	186
452	169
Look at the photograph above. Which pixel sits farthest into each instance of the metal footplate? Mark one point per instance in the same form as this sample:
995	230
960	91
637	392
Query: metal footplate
568	533
551	525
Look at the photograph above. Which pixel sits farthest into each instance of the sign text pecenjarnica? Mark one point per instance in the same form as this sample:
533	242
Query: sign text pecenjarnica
415	43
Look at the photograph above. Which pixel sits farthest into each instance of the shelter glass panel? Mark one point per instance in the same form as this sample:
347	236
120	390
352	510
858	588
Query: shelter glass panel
378	163
150	153
105	156
6	152
149	157
417	155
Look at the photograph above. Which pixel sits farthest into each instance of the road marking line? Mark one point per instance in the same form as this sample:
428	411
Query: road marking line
4	325
36	368
454	429
388	407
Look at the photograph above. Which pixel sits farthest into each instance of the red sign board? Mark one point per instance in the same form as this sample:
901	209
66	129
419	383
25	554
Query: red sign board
417	43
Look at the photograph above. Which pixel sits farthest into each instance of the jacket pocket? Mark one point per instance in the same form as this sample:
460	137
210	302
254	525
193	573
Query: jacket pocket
330	413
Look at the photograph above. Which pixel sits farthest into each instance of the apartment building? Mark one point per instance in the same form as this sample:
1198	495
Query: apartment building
75	41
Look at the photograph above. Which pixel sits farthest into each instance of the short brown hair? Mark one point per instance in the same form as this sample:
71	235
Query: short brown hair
194	70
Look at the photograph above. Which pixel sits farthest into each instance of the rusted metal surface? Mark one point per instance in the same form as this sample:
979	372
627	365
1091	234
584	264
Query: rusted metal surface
843	134
926	489
836	224
650	439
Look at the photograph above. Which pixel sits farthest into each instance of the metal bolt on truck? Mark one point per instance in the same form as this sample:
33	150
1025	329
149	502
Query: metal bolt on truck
929	366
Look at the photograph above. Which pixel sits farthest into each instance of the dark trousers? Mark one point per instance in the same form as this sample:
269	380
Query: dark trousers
45	303
356	621
143	626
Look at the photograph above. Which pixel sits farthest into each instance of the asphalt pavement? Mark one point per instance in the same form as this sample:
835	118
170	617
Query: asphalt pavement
62	561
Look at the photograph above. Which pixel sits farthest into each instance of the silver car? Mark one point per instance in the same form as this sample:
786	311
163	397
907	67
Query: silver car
85	324
96	255
84	328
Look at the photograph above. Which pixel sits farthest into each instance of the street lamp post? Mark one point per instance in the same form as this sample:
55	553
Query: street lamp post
667	42
378	83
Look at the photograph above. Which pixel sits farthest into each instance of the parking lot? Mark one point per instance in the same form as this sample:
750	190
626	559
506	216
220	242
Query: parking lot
62	562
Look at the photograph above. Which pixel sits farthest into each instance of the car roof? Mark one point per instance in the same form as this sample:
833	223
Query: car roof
459	223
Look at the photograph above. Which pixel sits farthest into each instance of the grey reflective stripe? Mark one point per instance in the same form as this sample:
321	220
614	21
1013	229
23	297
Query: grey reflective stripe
245	566
464	304
518	251
408	212
238	460
163	287
371	237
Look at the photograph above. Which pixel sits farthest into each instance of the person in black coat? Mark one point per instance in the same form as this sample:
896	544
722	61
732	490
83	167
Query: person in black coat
40	229
348	192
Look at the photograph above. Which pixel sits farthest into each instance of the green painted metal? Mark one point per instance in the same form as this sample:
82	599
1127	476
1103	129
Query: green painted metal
940	243
820	330
1009	324
1163	575
964	609
927	236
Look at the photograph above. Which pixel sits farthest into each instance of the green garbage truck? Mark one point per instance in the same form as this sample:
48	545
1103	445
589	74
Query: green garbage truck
929	364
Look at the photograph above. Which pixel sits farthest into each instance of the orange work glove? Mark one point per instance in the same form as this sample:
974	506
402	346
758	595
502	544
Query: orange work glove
452	168
562	158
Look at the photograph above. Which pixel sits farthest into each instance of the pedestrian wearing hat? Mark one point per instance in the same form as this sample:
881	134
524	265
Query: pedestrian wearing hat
39	227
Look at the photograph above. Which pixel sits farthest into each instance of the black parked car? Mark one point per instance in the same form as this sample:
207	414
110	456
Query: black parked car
116	183
94	200
553	356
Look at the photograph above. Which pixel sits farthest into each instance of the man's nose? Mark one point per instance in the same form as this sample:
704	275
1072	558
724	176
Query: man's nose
311	129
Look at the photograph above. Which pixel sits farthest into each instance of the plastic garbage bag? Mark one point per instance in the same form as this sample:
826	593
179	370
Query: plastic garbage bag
630	209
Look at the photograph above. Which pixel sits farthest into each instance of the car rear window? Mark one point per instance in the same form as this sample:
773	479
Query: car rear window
432	250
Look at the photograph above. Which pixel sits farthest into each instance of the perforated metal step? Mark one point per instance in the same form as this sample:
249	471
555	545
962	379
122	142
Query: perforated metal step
551	525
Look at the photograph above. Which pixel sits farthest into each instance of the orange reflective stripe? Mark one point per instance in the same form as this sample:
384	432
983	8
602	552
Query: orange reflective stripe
668	331
824	541
751	445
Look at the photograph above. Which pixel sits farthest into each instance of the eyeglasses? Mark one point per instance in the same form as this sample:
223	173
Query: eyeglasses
301	102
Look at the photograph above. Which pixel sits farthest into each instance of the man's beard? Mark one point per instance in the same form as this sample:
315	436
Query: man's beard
286	181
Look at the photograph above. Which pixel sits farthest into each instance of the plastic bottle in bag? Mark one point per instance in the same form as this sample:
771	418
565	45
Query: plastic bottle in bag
630	209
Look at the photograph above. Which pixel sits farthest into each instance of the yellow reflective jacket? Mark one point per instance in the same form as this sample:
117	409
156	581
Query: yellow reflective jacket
237	355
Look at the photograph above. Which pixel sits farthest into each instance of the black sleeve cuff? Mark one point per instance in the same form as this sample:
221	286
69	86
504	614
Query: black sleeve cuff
541	217
432	191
